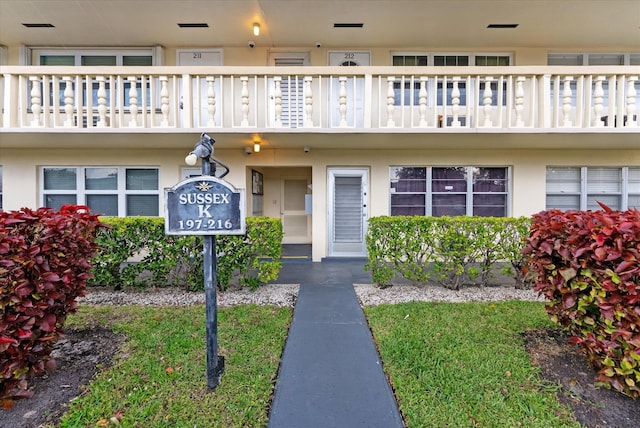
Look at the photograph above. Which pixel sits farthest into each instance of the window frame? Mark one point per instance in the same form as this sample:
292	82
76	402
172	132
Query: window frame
81	193
469	193
584	194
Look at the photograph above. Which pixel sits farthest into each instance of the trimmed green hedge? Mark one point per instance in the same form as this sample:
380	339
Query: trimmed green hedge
448	250
136	252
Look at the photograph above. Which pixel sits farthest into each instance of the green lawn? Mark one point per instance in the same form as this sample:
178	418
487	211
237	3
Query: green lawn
451	365
464	364
160	378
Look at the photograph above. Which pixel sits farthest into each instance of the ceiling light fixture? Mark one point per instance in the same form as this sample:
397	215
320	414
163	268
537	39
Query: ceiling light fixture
256	29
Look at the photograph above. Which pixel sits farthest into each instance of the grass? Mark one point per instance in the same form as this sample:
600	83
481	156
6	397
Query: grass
464	364
450	364
160	378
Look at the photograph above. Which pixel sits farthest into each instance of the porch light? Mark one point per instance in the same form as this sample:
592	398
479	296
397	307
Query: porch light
256	146
256	29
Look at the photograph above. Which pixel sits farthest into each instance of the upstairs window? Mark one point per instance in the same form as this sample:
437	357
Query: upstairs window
406	91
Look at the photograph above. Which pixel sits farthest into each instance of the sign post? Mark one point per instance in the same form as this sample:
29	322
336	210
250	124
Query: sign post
207	206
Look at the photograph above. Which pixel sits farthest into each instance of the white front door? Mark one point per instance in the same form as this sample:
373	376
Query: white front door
348	190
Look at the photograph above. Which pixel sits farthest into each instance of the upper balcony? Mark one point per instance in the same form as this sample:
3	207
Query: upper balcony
532	99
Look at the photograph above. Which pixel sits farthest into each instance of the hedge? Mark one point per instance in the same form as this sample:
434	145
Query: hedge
45	259
136	252
452	251
587	264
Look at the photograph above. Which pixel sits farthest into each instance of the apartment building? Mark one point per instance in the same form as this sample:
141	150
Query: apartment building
326	112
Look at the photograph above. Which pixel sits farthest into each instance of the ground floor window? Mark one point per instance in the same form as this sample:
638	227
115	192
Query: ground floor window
109	191
581	188
452	190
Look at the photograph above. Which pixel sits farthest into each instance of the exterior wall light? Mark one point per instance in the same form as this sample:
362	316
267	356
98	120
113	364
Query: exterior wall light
256	146
256	29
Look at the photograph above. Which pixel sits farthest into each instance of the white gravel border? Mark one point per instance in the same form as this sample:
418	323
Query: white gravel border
285	295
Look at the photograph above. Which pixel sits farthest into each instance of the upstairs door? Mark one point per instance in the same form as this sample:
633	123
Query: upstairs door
354	88
348	211
291	89
200	85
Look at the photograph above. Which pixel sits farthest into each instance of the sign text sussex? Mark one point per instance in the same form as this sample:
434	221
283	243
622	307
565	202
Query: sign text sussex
204	205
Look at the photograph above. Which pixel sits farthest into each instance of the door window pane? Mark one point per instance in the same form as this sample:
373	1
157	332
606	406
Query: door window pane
60	179
101	179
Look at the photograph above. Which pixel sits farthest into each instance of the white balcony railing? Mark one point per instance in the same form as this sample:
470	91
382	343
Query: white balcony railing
389	98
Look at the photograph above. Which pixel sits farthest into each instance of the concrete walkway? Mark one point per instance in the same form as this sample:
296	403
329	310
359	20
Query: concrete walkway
330	375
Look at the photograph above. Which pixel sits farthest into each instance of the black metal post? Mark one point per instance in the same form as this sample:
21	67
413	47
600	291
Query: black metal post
215	362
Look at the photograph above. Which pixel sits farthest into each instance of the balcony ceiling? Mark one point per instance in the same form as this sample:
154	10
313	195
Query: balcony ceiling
552	24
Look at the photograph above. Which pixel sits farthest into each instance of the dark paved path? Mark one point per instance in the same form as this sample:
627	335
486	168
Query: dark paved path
330	375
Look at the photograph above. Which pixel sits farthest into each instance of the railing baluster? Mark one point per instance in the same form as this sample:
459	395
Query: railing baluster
343	100
455	102
422	101
133	102
277	99
390	98
566	101
211	101
486	101
36	100
598	101
102	102
632	120
244	95
164	101
68	101
308	102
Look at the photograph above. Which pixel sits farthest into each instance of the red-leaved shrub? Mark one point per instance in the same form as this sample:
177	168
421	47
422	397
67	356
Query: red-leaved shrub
587	264
44	265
